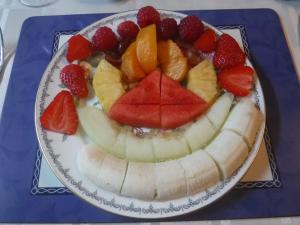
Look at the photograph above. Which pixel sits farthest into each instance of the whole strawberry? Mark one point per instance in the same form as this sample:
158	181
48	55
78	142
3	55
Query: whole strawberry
147	15
79	48
167	28
105	39
190	28
228	53
128	30
72	76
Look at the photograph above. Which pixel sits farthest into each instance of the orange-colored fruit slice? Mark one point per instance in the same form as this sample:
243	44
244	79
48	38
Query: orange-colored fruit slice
146	48
130	66
172	60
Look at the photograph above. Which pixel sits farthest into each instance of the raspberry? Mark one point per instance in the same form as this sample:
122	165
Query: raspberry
190	28
72	76
105	39
128	30
147	15
167	28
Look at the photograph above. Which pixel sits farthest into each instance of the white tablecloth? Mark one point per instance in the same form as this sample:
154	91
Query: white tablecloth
13	13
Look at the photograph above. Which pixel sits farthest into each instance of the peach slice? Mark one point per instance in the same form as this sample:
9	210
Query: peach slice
172	60
130	65
146	48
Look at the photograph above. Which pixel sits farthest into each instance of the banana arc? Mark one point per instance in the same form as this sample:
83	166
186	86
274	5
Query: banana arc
114	165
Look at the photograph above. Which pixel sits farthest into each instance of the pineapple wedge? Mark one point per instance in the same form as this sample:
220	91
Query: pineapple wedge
202	80
107	84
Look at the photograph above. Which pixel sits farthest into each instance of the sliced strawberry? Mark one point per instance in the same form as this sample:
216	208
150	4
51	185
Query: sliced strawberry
237	80
228	53
79	48
73	77
60	115
207	41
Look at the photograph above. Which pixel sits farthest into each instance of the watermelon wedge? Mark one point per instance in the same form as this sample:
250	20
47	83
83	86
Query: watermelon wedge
157	102
173	94
136	115
173	116
146	92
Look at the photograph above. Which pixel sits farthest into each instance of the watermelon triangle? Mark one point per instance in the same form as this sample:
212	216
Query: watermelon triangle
146	92
157	102
136	115
173	94
173	116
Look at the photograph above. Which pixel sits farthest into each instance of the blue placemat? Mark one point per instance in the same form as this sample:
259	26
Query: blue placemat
18	144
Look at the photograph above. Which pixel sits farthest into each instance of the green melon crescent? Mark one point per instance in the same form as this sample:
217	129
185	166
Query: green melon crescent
182	173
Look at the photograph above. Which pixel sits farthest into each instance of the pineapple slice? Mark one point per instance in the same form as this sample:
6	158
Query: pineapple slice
107	84
202	80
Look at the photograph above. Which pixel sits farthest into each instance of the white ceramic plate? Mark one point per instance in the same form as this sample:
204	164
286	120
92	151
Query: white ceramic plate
60	150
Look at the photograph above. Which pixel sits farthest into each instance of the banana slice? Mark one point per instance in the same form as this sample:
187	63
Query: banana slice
89	161
245	119
200	133
170	180
140	181
99	128
169	146
104	170
139	149
112	173
219	111
200	171
229	151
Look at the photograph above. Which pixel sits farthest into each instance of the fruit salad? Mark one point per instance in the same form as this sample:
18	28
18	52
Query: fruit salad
174	117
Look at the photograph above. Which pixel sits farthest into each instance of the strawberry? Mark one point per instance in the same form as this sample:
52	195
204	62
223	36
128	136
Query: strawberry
60	115
190	28
207	41
128	30
228	53
105	39
73	77
147	15
237	80
79	48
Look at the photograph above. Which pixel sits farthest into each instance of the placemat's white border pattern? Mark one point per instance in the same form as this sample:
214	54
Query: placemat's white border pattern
276	182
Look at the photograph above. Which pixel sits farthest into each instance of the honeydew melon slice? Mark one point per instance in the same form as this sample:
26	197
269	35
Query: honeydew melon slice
201	172
140	181
219	111
119	147
170	180
229	151
200	133
139	149
169	146
245	119
98	127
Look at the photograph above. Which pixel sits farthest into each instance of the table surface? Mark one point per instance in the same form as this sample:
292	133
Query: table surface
13	13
